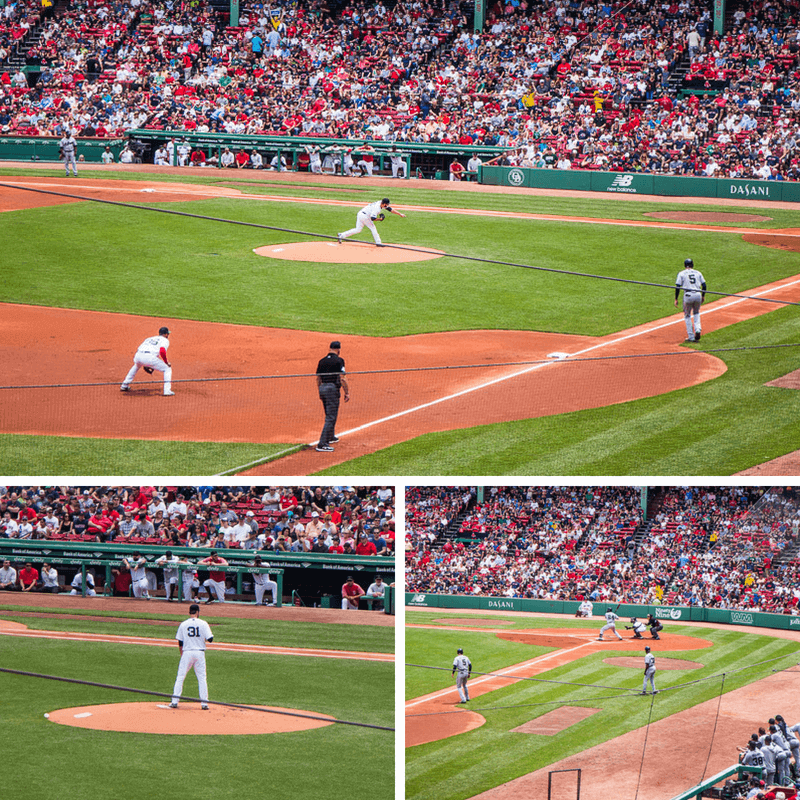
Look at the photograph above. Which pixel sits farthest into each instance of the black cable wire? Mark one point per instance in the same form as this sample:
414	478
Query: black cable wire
394	246
644	745
195	699
402	370
714	730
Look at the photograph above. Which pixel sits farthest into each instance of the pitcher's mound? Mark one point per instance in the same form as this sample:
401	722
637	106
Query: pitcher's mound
348	252
187	718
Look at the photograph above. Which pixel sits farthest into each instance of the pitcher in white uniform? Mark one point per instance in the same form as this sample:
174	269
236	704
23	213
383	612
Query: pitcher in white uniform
463	666
192	635
366	218
152	354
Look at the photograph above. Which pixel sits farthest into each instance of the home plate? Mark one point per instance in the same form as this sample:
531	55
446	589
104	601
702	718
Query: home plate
559	356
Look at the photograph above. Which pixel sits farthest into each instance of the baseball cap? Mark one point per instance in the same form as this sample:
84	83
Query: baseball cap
336	345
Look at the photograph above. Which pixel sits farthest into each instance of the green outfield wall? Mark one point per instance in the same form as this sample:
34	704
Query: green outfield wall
633	183
756	619
41	148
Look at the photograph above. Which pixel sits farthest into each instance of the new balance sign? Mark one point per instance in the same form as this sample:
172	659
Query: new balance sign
794	622
622	183
741	618
417	600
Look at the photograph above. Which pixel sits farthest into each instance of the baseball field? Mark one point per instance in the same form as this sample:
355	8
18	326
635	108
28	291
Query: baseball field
326	682
547	697
476	361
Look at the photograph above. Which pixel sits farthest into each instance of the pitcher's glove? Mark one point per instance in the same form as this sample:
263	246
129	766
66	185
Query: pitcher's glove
381	217
148	370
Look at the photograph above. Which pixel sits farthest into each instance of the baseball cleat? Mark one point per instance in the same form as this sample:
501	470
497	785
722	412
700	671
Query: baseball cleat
689	340
124	388
169	394
324	448
656	691
205	708
173	705
210	600
599	638
697	336
339	238
334	439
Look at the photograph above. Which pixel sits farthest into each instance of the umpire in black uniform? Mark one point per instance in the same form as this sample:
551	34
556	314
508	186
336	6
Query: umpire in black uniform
330	379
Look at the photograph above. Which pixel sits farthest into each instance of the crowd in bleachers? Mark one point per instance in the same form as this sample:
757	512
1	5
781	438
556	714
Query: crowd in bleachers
559	83
704	546
343	520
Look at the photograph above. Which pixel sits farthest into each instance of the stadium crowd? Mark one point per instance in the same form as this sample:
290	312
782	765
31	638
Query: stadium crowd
350	520
711	547
559	84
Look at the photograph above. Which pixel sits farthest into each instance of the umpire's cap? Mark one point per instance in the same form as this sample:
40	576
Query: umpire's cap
164	331
460	650
688	263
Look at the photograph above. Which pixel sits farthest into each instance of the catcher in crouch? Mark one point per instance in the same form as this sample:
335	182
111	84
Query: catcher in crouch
638	628
367	218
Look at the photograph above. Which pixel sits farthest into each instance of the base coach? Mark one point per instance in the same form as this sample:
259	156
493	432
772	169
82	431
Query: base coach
330	381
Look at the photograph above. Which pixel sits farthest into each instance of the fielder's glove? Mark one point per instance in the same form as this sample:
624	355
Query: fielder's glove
148	370
381	217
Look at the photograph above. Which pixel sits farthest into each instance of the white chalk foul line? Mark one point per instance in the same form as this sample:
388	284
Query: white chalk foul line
505	676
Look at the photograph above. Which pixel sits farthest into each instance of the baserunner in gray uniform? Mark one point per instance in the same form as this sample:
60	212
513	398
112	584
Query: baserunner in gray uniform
649	671
463	666
69	148
694	292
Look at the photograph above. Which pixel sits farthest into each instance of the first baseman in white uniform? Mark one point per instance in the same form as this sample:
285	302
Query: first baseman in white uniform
152	354
170	573
694	292
585	609
192	635
262	583
366	218
611	619
463	667
649	671
139	583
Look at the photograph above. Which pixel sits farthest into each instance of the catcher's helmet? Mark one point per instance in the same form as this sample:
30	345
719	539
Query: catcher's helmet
163	331
460	650
633	619
688	263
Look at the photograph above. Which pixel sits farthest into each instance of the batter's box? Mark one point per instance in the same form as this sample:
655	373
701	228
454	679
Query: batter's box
554	722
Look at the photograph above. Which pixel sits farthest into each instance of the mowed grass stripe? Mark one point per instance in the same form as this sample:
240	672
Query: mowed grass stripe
337	758
465	765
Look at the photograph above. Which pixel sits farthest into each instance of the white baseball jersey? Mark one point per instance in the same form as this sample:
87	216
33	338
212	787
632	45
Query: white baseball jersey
152	346
462	664
193	633
649	661
261	578
586	608
169	571
611	617
372	210
49	578
397	159
690	280
137	570
639	626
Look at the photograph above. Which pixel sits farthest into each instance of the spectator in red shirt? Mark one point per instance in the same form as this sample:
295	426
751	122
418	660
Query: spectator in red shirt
364	547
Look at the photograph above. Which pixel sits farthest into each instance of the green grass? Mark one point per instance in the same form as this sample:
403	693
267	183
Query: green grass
26	455
418	193
716	428
51	760
268	632
98	257
465	765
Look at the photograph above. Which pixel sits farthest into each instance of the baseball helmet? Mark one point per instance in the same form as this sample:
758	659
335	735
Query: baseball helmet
164	331
460	650
609	609
688	263
633	619
647	649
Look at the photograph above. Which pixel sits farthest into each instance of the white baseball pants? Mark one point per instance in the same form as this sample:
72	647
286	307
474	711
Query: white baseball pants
261	588
691	313
189	582
218	587
154	362
196	660
398	168
362	221
610	626
461	685
650	675
141	588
